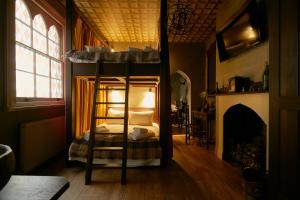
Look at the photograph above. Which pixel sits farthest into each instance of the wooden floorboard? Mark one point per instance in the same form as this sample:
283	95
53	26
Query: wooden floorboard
195	173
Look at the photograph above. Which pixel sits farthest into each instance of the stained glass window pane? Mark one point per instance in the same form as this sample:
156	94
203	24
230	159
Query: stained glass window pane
42	65
55	69
24	59
56	86
39	24
42	87
53	34
53	49
23	33
24	84
39	42
22	12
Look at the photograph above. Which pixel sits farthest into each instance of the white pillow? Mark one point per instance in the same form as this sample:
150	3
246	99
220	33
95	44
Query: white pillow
141	118
115	113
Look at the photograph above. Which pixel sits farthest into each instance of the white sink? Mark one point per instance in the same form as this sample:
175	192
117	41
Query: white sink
7	164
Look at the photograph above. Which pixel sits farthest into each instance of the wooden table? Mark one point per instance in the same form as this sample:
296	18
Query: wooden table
34	188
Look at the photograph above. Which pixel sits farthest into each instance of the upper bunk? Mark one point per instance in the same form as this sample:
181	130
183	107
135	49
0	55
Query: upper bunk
116	69
140	62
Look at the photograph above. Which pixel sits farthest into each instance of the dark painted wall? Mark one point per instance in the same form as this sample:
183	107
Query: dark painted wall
190	58
10	123
10	120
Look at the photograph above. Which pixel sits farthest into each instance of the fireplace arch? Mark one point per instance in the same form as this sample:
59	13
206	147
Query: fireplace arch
244	138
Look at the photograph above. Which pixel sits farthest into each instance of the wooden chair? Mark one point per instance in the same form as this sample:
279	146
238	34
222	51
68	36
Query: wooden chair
200	127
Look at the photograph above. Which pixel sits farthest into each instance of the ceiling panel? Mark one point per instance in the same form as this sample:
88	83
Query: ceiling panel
137	20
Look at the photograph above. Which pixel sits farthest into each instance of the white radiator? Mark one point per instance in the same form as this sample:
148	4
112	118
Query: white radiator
41	140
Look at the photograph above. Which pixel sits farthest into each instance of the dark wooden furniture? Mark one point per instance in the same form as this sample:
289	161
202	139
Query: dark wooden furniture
161	69
284	99
180	116
34	187
200	126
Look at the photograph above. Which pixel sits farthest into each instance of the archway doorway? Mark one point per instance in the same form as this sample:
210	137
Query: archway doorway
181	91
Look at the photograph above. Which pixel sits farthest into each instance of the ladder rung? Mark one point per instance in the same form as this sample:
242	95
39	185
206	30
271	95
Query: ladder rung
108	148
122	89
104	166
109	117
110	102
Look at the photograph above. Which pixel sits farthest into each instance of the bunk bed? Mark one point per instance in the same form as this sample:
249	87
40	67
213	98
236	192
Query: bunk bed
142	151
162	140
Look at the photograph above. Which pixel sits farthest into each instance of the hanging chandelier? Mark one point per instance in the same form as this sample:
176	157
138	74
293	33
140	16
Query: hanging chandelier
179	16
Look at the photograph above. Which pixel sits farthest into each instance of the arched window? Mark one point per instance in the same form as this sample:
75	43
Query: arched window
22	12
24	56
53	42
23	23
39	34
56	67
38	57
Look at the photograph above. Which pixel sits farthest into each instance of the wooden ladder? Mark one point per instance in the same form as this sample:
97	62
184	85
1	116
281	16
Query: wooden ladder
91	143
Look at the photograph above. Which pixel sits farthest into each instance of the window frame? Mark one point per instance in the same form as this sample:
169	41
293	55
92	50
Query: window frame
51	17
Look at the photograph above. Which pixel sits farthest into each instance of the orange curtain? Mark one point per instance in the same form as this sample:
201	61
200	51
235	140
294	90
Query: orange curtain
83	35
84	93
78	35
101	108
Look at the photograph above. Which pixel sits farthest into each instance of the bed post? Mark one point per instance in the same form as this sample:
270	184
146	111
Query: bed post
165	104
68	76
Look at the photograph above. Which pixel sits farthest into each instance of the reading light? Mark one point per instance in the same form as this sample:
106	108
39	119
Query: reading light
111	47
149	99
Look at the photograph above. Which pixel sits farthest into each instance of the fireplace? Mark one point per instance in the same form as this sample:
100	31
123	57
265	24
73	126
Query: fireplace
258	103
244	138
242	122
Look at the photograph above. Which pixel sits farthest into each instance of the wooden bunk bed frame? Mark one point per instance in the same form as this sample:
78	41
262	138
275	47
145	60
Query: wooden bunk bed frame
161	69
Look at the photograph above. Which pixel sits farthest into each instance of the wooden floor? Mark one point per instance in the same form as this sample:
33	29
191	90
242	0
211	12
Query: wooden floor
195	173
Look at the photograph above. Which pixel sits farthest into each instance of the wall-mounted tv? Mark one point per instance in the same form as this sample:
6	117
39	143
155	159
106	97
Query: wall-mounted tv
245	31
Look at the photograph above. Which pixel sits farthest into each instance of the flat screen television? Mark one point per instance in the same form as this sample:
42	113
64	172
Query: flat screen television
245	31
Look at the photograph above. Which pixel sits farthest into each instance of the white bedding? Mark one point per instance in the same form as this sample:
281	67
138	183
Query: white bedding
118	128
135	55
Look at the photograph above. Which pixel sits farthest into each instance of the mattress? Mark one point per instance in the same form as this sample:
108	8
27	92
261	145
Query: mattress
135	56
145	151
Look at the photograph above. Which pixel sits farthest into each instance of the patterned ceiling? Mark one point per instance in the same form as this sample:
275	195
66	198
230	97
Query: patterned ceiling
137	20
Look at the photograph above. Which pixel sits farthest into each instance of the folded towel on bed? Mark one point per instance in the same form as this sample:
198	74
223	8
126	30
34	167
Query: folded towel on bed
140	133
99	129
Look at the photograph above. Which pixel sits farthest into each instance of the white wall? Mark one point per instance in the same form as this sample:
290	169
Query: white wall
250	63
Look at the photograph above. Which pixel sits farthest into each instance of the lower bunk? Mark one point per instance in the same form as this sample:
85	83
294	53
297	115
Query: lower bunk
143	146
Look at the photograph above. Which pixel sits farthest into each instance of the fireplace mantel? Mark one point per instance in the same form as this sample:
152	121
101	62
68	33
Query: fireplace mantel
258	102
